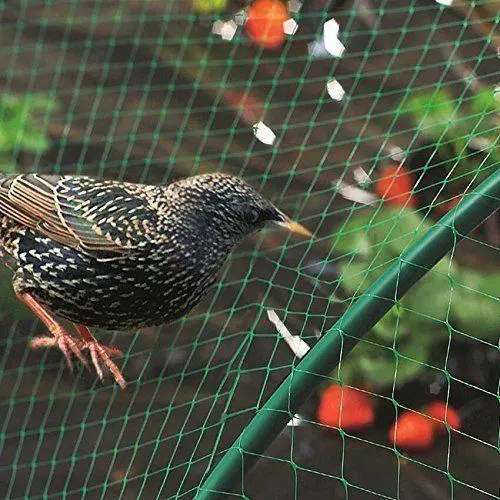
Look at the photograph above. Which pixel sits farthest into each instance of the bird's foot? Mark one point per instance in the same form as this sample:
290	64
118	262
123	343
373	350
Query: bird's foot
65	342
70	345
102	354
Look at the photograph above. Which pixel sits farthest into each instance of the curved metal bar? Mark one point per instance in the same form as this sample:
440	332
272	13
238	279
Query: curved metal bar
355	322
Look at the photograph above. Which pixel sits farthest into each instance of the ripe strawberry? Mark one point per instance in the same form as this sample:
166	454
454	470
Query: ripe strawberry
439	411
395	186
413	432
345	408
264	24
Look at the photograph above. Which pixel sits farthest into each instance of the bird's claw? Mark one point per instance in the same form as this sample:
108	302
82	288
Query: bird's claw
66	343
100	353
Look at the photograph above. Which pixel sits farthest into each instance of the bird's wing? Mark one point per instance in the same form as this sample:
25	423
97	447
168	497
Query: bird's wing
103	219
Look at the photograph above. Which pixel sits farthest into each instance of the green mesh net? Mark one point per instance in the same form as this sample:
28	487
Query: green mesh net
365	120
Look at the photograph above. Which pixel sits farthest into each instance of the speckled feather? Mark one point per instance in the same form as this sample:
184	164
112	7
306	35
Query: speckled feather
119	256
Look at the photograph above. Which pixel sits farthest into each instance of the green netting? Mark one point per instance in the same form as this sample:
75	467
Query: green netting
378	133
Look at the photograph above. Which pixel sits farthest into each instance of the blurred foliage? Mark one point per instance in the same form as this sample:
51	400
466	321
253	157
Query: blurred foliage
465	131
207	6
450	299
19	131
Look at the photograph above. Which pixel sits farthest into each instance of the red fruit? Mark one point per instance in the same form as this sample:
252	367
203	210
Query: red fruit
345	408
439	411
395	186
413	432
264	24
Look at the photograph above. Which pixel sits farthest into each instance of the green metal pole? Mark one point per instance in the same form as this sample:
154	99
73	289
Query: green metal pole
356	321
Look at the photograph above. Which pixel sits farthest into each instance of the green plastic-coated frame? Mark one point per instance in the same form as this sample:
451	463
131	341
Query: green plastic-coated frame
355	322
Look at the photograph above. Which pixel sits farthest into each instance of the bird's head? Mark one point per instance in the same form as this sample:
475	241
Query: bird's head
227	204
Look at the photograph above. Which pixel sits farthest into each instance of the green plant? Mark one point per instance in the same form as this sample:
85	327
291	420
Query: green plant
464	131
452	299
19	130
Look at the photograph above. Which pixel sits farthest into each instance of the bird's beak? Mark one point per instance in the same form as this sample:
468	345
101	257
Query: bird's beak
295	227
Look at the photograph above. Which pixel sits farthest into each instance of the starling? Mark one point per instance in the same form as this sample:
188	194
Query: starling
121	256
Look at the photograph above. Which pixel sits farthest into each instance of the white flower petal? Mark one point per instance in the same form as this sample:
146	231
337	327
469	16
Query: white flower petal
290	26
228	30
360	176
296	421
356	194
263	133
331	29
335	47
335	90
330	36
298	346
294	5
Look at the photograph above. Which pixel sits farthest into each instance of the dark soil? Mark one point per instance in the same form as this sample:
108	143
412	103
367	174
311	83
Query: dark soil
140	110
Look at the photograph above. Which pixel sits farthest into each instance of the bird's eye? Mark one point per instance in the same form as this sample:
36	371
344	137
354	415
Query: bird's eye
253	215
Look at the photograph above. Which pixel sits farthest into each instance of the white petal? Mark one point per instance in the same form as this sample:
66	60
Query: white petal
298	346
360	176
445	2
335	90
228	30
263	133
331	38
296	421
356	194
290	26
294	5
397	154
331	29
217	27
334	47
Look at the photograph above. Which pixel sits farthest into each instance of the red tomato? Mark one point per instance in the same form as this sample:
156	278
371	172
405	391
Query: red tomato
395	186
438	410
264	24
345	408
413	432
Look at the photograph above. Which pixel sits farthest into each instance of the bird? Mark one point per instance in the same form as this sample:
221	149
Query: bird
117	256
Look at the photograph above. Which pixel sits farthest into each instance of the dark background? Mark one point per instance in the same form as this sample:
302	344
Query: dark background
144	94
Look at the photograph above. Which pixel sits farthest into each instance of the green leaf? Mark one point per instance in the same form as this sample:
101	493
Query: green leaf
207	6
485	102
430	298
476	305
355	277
7	167
18	130
381	365
33	140
7	140
431	112
352	238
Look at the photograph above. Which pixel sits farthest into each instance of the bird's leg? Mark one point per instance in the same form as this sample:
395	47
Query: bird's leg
102	353
60	337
